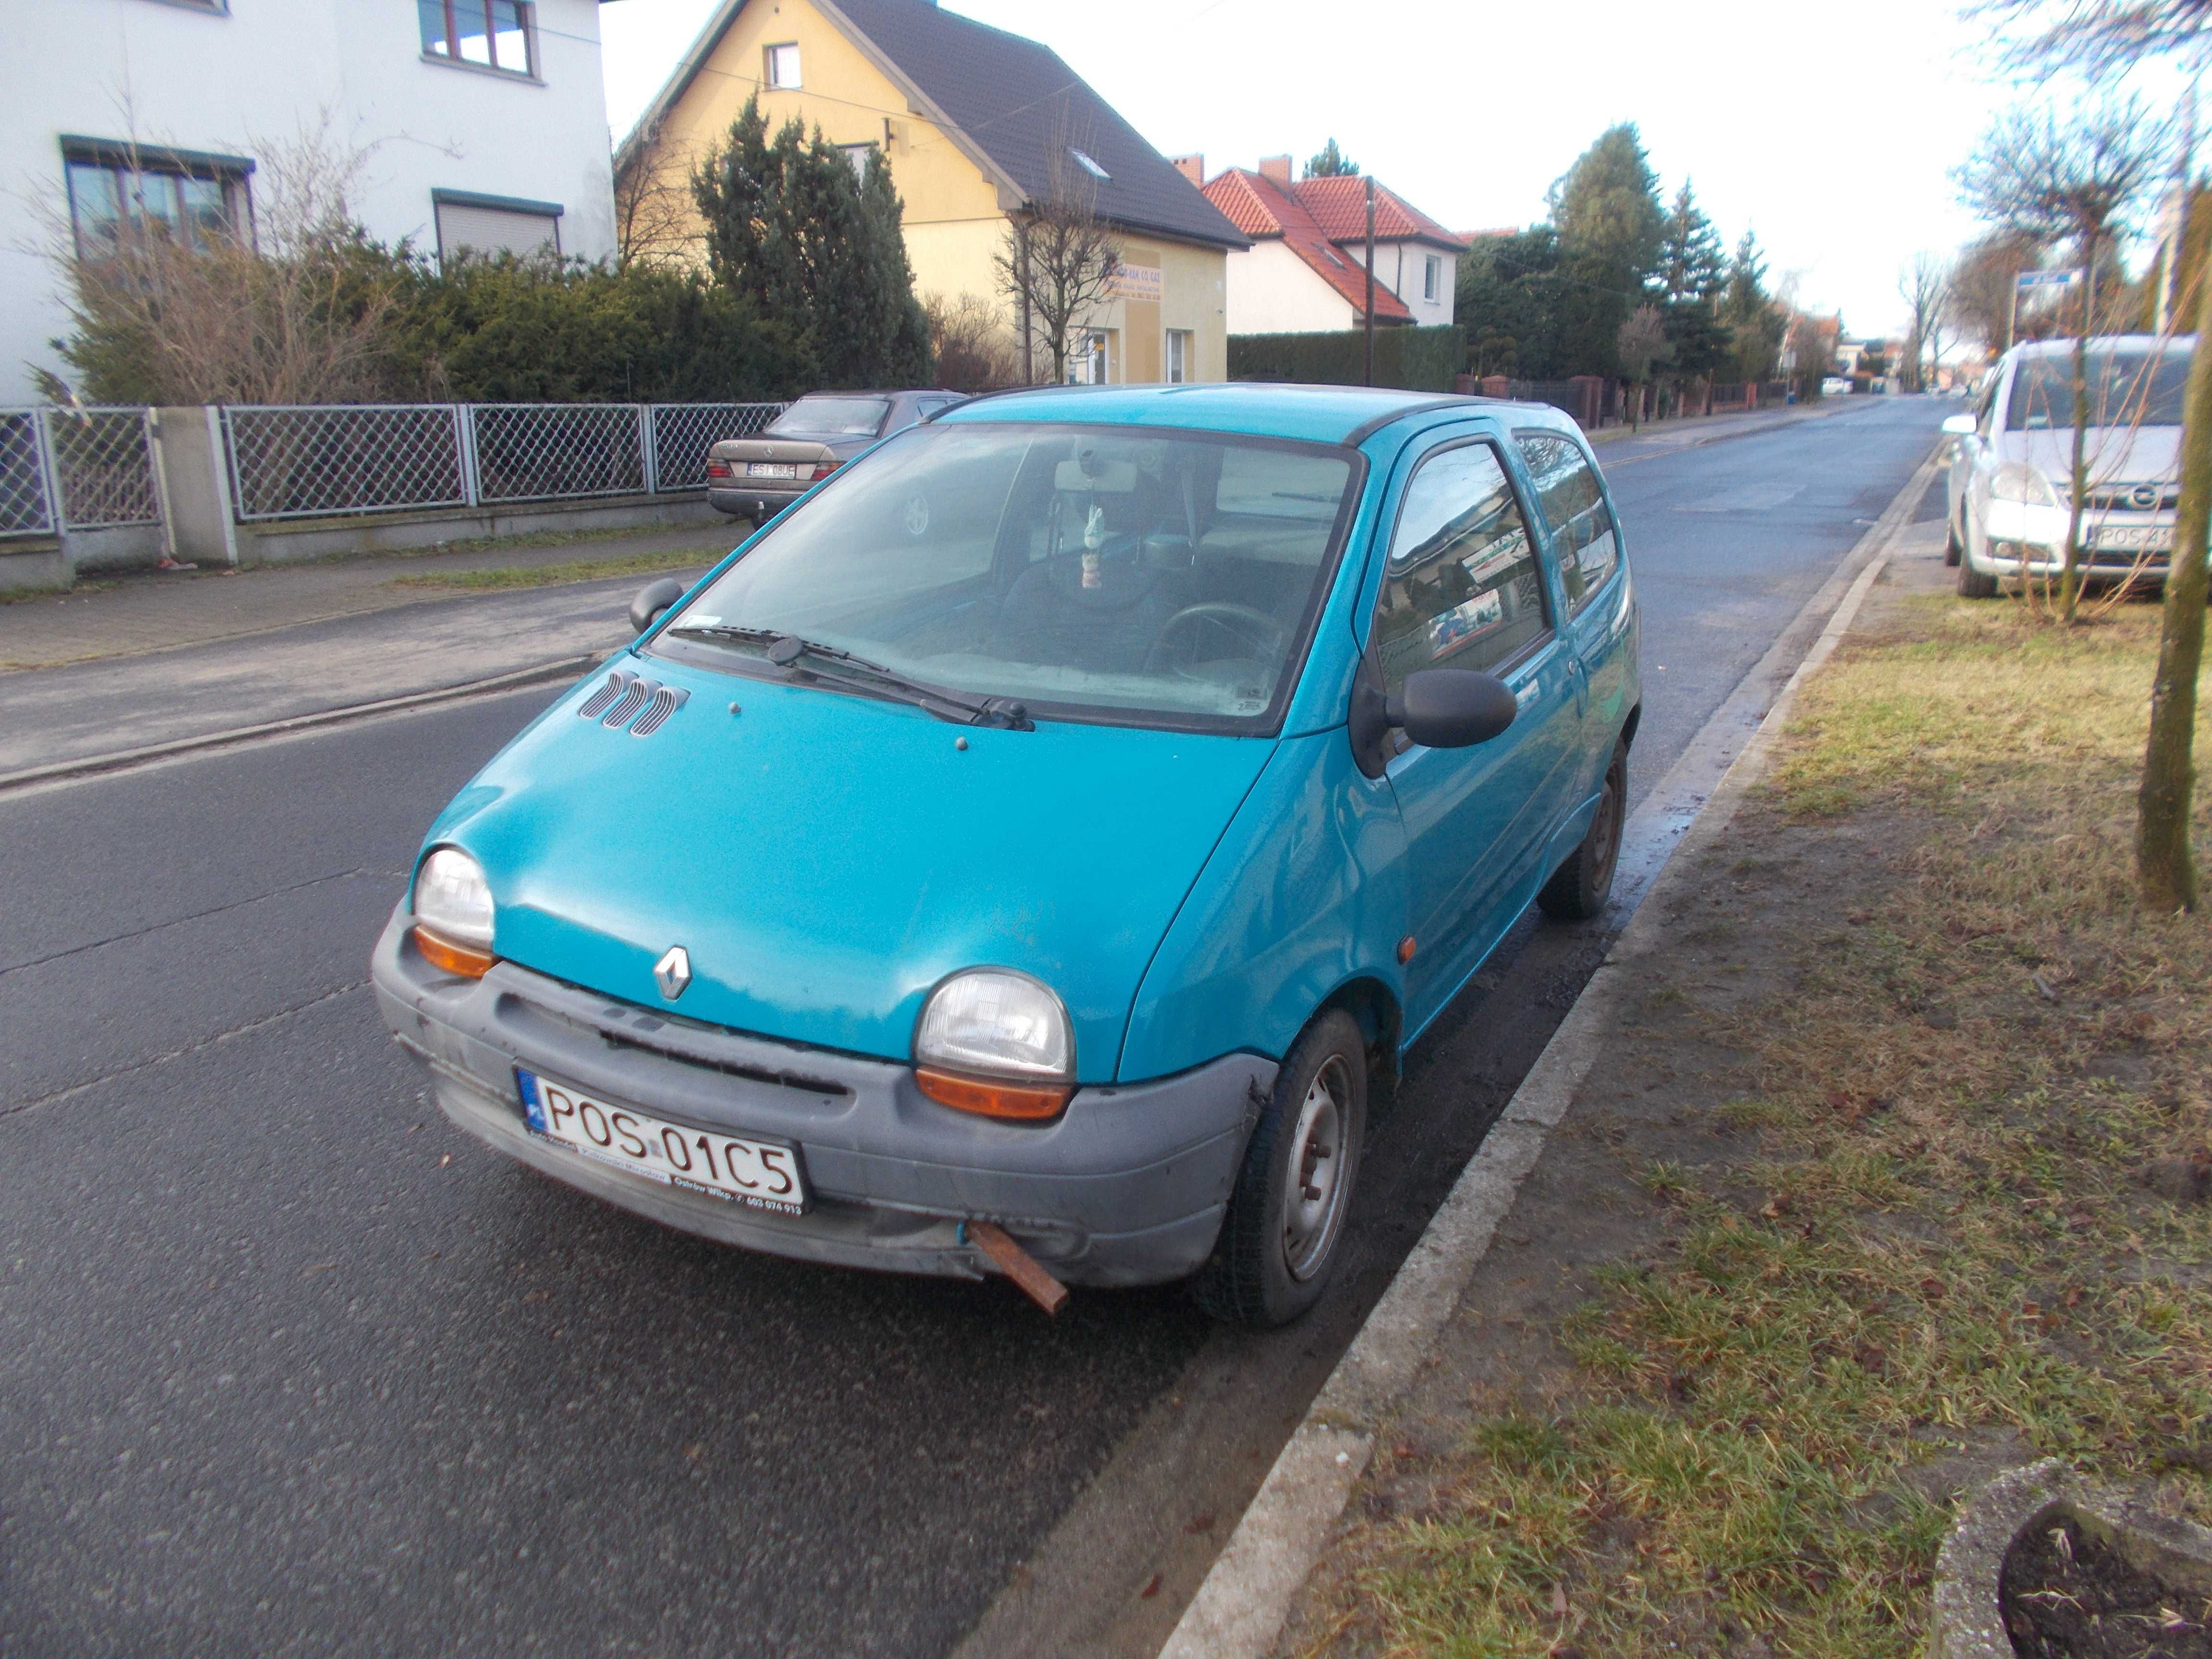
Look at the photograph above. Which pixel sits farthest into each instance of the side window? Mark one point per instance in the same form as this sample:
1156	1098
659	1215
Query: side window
1574	507
1461	588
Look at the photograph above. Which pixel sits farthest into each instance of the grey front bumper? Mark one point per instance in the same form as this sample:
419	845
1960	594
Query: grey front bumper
1128	1186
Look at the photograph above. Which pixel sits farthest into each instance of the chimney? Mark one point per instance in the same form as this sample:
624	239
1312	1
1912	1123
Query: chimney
1276	168
1192	168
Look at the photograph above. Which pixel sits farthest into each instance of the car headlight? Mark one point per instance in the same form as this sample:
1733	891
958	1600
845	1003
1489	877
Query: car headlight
453	913
996	1043
2017	482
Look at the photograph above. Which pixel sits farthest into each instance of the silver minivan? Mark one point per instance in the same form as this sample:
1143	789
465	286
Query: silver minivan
2011	477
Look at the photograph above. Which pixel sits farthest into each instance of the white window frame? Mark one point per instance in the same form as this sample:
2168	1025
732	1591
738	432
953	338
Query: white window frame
526	14
771	58
1182	343
856	157
1432	277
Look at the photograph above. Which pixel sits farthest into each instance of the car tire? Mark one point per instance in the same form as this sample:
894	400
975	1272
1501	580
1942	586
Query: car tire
1284	1234
1579	888
1954	549
1974	583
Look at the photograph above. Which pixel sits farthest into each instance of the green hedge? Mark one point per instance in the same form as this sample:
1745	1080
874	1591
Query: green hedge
1412	359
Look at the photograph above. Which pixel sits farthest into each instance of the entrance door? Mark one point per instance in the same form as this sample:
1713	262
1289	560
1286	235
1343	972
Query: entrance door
1462	589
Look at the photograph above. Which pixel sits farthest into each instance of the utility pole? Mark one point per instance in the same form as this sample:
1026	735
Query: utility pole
1028	331
1371	281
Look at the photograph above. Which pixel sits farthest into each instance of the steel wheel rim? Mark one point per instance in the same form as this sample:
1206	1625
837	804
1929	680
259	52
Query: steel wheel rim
1313	1207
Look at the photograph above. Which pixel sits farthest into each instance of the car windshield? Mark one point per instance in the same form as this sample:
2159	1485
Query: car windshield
2126	388
838	417
1099	573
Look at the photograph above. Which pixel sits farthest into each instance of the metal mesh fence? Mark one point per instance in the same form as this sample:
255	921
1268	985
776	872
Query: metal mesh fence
540	452
25	503
105	459
683	433
291	463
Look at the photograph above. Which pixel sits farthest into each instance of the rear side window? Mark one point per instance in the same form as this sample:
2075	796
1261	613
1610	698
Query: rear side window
1575	510
1461	588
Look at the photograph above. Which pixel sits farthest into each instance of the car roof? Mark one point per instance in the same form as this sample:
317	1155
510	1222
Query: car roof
2064	347
1317	414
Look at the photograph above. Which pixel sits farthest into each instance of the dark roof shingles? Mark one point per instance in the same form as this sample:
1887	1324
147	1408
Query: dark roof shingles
1016	100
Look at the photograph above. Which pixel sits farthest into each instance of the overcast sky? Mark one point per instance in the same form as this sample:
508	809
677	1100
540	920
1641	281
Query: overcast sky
1829	132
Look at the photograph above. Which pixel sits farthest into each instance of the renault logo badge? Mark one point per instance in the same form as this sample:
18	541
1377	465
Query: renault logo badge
673	972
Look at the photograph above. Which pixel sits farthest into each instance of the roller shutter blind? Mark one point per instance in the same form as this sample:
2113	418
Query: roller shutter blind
495	230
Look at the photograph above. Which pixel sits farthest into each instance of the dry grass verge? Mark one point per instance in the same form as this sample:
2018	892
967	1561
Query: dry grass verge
1936	1203
549	575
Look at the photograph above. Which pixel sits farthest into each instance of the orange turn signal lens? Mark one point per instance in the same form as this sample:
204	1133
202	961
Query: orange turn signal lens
465	960
1022	1101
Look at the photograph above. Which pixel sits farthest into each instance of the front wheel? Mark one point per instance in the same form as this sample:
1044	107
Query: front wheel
1284	1233
1954	548
1579	888
1974	583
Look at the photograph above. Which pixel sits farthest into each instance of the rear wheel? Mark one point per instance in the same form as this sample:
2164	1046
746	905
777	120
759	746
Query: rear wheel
1284	1233
1579	888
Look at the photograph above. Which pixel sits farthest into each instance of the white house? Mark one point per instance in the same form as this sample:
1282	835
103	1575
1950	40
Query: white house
475	122
1306	269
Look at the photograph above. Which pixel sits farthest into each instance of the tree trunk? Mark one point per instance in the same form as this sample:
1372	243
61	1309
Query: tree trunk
2069	573
2165	874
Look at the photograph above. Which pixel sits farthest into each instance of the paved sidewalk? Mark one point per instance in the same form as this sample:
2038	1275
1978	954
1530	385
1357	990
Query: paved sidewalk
157	610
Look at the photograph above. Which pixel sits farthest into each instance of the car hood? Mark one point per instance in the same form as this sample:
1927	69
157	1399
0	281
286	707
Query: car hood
826	859
2116	454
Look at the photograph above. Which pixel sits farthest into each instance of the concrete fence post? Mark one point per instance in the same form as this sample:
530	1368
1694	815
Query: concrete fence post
647	452
189	450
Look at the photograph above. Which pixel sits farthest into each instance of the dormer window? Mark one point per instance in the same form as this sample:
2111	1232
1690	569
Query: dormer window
1089	166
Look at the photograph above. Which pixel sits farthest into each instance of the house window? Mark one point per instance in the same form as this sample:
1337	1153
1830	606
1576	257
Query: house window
856	157
117	195
495	34
1432	276
1092	356
486	225
1179	355
783	66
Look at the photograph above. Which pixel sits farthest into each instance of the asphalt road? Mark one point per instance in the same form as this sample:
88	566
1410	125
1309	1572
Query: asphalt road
289	1365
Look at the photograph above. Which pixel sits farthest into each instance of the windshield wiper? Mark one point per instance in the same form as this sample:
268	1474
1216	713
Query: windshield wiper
793	652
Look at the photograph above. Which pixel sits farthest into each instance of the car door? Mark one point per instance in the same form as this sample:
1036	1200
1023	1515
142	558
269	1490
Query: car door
1585	549
1461	587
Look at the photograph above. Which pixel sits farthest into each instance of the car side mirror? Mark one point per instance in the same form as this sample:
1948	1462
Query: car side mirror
1958	426
651	600
1452	708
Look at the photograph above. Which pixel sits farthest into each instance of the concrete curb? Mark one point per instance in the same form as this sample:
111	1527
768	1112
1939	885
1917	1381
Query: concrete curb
1240	1608
123	759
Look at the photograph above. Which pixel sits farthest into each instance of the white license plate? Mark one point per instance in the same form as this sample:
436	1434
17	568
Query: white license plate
761	1175
2137	538
771	469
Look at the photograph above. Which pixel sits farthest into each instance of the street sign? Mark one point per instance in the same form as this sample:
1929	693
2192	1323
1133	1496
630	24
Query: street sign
2048	278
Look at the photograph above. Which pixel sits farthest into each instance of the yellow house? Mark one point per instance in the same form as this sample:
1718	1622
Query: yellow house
976	124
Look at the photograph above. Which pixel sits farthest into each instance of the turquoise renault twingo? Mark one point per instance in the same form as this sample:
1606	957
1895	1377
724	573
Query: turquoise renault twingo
1064	817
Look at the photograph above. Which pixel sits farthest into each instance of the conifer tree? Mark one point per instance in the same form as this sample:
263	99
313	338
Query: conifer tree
1331	163
1692	271
1607	209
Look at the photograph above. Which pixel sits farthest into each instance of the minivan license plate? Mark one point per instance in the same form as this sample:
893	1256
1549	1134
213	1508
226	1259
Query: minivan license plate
761	1175
771	469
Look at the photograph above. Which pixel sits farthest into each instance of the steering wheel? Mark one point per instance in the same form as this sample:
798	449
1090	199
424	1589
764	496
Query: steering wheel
1261	633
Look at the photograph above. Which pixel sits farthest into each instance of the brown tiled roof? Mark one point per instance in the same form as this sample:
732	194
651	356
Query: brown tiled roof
1339	206
1261	208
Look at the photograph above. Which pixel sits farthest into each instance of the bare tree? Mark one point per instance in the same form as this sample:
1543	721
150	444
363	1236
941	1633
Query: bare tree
294	304
1925	285
2102	39
656	220
968	342
2076	178
1984	279
1059	261
1641	343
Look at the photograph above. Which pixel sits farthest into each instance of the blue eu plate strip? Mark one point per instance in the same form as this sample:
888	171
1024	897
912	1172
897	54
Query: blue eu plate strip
534	1101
